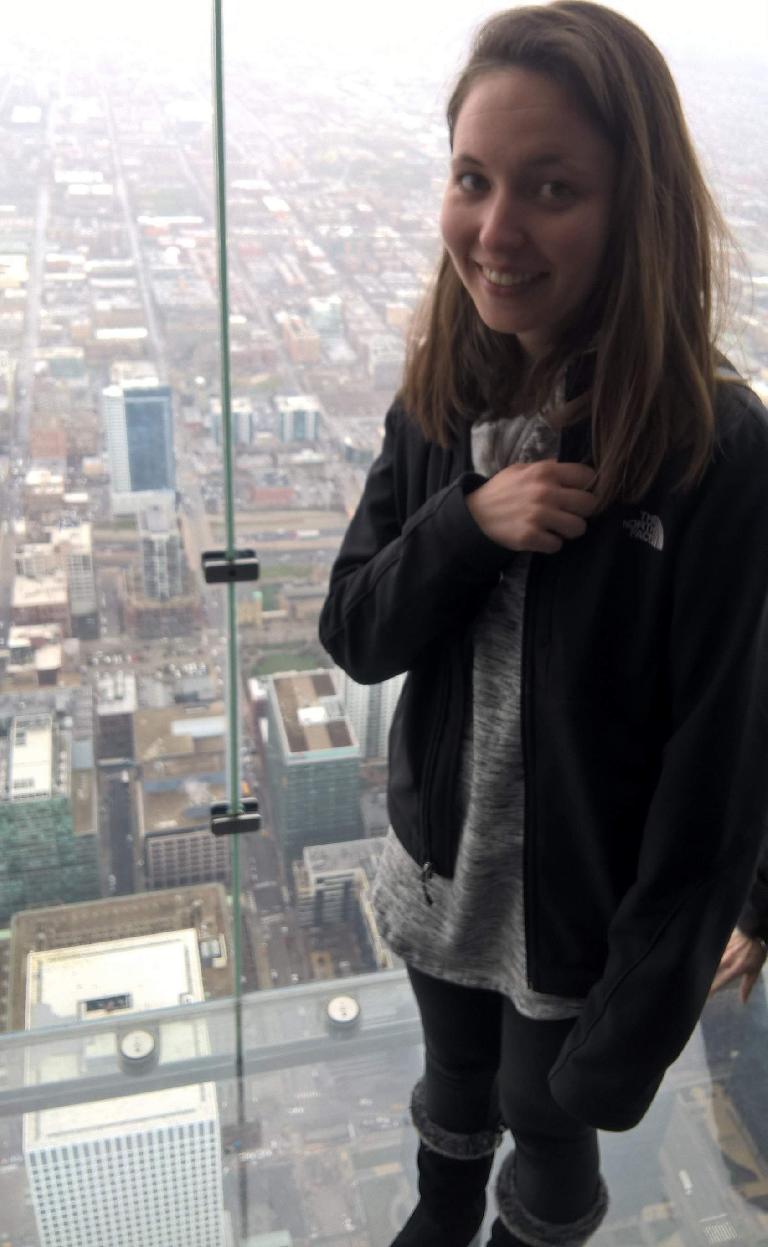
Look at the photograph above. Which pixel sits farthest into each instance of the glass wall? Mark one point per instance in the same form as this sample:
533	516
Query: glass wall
116	901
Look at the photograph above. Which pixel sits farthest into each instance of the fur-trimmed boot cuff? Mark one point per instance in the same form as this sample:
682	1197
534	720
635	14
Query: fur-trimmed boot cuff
526	1228
448	1142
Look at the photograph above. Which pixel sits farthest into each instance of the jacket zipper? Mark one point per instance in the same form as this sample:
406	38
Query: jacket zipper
525	716
426	874
428	870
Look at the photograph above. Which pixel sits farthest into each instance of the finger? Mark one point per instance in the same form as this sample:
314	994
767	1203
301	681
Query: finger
544	542
724	975
578	501
747	983
563	523
572	475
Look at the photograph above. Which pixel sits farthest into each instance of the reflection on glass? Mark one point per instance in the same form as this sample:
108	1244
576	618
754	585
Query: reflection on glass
324	1145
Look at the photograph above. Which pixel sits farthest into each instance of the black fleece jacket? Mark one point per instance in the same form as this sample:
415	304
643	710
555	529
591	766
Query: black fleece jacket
644	723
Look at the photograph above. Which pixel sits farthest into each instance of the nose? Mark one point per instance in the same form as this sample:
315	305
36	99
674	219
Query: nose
503	226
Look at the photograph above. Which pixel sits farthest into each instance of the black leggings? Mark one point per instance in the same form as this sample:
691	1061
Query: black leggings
483	1057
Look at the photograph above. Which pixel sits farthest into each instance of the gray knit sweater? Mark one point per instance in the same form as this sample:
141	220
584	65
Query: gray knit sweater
473	932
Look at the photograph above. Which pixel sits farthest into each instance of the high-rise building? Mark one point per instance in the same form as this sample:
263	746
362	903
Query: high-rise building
325	315
73	542
181	753
116	705
298	418
385	361
48	827
203	907
370	708
313	760
142	1168
57	574
162	555
333	887
301	341
139	428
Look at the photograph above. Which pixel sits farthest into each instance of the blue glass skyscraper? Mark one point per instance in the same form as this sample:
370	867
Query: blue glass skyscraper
139	426
149	433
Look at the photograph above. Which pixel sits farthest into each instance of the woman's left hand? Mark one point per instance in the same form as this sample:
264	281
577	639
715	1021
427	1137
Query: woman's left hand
743	958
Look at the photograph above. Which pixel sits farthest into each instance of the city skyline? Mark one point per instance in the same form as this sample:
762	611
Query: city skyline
108	266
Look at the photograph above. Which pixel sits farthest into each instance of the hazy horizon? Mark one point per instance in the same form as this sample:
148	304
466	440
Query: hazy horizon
691	27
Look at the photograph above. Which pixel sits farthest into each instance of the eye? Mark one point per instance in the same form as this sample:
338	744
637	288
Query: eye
472	182
556	192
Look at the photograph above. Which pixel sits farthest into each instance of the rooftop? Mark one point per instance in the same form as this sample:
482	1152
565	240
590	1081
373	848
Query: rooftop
185	807
310	715
172	732
116	978
116	693
344	857
202	906
30	772
297	403
47	591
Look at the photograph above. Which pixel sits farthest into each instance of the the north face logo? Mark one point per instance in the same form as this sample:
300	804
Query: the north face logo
648	528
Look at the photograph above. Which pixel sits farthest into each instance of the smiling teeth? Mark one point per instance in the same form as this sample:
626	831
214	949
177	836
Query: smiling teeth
509	279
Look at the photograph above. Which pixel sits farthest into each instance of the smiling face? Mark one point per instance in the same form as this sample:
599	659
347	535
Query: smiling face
526	211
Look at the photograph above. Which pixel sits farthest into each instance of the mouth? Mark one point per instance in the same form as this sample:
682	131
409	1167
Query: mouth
509	279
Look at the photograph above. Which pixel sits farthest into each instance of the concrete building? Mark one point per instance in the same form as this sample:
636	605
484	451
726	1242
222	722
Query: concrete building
137	501
61	565
203	908
325	315
370	708
298	417
43	494
313	761
138	422
241	411
116	705
162	555
181	754
152	619
385	361
301	341
41	600
74	546
142	1168
333	886
34	655
48	819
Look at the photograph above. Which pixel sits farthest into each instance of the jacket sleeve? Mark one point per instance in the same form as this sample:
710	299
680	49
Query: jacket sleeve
396	587
707	819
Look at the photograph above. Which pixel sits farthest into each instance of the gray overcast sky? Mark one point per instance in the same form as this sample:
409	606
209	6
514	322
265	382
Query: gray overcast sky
717	26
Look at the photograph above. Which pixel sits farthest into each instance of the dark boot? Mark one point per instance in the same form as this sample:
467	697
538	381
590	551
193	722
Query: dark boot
514	1219
453	1174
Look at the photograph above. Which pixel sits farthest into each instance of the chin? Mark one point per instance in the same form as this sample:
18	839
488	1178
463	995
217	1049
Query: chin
507	325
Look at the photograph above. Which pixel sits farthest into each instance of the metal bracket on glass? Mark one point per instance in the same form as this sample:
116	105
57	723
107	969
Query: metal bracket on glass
226	822
219	569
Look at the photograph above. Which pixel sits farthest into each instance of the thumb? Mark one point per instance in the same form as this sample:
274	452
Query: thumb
747	983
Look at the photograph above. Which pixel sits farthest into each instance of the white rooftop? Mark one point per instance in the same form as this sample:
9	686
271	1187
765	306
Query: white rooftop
31	771
134	974
288	403
214	725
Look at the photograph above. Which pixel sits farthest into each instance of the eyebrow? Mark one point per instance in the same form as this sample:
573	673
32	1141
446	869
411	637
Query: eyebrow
535	162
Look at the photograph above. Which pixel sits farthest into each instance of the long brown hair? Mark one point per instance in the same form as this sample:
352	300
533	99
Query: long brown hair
654	315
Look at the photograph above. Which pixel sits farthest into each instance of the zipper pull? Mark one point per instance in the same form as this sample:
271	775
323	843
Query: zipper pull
426	874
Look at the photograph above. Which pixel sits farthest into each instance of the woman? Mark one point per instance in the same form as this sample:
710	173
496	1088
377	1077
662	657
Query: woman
563	541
